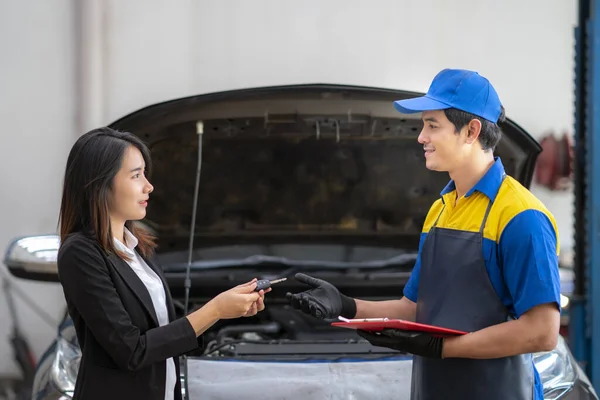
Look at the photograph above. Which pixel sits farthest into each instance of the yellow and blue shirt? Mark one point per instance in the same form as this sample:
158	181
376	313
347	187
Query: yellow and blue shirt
520	241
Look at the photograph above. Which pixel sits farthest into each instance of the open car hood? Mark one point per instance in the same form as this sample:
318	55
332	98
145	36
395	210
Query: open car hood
296	163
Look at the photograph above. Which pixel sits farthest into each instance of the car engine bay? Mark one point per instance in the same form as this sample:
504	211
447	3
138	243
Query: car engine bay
283	333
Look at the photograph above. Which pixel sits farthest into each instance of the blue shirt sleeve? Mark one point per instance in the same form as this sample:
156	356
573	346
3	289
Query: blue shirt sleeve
412	286
528	259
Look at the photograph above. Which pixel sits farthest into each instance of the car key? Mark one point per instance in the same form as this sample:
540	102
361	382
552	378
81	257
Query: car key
264	284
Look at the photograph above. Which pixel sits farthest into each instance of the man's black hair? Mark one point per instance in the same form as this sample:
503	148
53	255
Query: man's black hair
490	132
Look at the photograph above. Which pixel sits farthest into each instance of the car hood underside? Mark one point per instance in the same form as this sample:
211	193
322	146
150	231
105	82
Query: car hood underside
293	163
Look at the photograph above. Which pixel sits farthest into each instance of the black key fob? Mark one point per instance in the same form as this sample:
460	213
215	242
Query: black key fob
262	284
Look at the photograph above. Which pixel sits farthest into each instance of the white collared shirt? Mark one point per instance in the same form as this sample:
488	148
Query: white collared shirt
156	290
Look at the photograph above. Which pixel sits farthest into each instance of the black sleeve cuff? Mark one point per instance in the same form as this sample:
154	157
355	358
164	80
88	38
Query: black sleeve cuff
187	340
348	307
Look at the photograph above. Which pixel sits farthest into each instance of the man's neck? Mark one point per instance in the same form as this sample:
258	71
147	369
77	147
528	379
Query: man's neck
471	172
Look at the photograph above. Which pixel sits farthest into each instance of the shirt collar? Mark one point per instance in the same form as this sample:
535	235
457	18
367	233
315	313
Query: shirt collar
489	184
131	241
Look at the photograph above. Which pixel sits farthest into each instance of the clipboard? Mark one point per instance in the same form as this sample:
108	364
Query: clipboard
379	324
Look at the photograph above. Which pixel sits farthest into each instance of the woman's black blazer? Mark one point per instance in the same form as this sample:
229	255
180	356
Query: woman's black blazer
123	347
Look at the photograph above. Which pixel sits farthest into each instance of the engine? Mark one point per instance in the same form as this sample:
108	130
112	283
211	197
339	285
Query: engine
283	333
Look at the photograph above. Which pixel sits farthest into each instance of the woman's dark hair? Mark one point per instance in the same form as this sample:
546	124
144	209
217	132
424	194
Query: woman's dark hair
93	162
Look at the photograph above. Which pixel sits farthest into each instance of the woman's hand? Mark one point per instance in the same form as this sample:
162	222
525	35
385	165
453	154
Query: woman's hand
239	301
259	305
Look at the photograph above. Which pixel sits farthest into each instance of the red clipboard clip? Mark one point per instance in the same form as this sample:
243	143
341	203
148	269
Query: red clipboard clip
379	324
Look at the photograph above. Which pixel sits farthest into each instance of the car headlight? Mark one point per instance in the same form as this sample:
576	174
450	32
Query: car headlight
556	370
564	301
66	361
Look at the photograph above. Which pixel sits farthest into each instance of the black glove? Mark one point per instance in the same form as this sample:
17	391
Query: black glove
323	300
421	344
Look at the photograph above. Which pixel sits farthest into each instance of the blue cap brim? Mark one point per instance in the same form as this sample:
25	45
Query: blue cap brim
419	104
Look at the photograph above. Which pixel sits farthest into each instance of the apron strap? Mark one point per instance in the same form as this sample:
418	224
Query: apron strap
438	217
485	217
489	207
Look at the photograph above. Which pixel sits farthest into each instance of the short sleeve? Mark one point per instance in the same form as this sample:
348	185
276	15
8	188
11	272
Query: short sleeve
528	256
412	286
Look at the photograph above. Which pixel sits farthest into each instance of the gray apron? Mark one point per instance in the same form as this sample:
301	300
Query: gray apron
455	292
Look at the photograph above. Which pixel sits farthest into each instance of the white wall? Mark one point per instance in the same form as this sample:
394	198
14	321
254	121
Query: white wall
37	114
139	52
181	48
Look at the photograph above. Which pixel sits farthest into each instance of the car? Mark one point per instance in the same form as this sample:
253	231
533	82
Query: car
323	179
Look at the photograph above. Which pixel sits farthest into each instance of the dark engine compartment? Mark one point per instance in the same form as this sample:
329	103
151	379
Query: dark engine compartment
280	332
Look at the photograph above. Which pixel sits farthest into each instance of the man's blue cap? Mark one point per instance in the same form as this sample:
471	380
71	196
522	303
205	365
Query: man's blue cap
456	88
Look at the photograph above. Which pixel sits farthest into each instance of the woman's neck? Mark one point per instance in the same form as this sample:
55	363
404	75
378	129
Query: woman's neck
117	228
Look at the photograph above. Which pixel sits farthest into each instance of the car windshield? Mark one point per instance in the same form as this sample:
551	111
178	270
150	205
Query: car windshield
291	255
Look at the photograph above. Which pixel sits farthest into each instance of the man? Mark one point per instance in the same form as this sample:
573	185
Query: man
487	264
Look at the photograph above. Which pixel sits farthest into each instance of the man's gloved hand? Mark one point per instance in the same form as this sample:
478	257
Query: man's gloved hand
323	301
421	344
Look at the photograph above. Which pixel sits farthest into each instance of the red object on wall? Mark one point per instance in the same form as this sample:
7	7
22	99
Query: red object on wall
554	166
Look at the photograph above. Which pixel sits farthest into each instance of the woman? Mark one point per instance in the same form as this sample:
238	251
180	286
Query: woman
115	289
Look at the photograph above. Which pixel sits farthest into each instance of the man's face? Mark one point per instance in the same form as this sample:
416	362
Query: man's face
445	150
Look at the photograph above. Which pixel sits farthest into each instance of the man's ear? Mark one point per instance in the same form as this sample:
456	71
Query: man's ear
473	130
